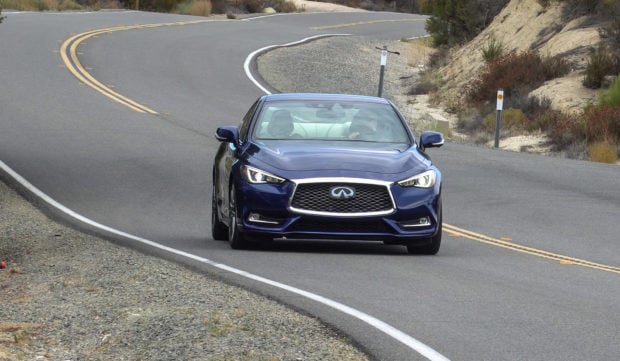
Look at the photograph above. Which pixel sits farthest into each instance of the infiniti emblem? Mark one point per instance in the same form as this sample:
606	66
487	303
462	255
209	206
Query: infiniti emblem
342	192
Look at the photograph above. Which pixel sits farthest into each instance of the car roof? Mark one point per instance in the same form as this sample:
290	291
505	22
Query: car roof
324	96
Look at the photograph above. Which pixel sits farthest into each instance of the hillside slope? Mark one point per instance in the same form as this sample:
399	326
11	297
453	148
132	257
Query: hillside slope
525	25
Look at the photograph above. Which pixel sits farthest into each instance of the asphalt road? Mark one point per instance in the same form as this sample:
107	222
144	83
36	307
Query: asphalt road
529	267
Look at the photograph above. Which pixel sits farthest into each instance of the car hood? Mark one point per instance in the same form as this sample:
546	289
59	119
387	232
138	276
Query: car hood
334	159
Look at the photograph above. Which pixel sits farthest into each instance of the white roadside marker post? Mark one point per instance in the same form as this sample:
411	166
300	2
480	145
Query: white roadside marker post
498	119
384	53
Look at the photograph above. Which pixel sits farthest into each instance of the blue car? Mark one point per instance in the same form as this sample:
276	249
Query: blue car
326	166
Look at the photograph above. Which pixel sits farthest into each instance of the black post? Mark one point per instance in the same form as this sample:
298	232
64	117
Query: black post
384	53
498	125
380	93
382	71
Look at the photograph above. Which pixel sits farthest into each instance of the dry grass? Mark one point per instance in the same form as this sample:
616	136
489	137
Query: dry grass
16	326
68	5
201	8
603	152
418	52
57	5
195	8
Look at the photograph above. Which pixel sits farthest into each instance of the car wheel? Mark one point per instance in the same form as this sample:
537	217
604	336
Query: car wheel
428	249
435	242
219	231
235	236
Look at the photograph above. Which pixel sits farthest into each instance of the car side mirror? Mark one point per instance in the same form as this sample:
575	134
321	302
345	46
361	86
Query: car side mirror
430	139
229	134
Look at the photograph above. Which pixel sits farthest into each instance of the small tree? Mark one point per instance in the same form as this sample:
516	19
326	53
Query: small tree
602	62
457	21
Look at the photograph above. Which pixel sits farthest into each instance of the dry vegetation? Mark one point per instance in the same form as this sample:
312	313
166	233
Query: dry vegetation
58	5
187	7
556	63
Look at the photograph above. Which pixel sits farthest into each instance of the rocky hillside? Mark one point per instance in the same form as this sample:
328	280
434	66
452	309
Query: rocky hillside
525	25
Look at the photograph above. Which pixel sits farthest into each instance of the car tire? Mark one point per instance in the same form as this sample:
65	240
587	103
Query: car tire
432	247
235	236
428	249
219	231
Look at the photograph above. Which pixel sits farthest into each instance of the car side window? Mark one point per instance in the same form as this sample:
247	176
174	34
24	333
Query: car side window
245	124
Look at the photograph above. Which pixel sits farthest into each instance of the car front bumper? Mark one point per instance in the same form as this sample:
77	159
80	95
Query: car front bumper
265	213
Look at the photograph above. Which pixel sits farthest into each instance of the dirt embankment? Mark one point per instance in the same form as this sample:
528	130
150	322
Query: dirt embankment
525	25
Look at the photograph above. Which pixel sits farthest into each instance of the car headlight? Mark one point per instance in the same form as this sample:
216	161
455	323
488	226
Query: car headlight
257	176
422	180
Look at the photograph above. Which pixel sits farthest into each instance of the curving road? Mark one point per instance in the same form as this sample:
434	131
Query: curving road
529	269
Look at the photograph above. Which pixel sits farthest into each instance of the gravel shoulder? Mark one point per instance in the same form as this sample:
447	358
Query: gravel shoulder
66	295
338	64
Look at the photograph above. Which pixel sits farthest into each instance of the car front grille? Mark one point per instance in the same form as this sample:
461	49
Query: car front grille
318	198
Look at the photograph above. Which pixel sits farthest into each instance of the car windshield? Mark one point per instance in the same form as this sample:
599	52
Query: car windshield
330	120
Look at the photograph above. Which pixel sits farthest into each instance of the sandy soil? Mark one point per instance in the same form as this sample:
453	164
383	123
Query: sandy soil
316	6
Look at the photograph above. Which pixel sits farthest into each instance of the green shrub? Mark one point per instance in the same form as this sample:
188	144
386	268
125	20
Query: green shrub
492	50
457	21
184	7
602	62
512	119
612	95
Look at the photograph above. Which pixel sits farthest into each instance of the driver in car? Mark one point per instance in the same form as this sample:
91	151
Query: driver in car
367	125
281	125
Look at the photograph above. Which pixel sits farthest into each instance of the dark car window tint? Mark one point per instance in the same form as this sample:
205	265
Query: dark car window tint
245	124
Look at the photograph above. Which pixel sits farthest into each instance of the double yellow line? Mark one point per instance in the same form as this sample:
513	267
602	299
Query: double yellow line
460	232
368	22
69	55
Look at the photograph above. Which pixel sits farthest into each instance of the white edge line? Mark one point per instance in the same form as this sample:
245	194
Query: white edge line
389	330
67	12
250	58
